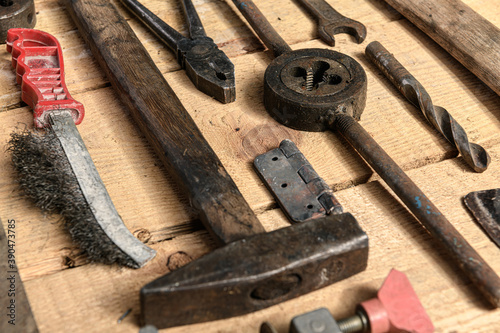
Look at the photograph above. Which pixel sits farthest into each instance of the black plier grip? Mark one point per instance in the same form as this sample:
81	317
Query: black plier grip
209	68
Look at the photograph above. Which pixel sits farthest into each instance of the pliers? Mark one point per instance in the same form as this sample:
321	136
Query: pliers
209	68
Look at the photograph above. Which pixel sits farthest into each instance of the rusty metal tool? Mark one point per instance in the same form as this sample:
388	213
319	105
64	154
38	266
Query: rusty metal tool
485	206
56	169
207	67
466	35
16	14
306	83
254	269
331	22
302	194
318	90
18	316
396	309
474	155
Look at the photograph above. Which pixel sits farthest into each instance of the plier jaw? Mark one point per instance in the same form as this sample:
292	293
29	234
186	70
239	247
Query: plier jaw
209	68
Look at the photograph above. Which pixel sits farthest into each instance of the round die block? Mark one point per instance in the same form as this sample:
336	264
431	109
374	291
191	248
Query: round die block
302	87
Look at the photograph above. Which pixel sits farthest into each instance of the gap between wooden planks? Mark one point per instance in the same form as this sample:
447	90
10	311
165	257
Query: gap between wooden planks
152	206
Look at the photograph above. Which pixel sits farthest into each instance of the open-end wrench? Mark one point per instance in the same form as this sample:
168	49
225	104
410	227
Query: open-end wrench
331	22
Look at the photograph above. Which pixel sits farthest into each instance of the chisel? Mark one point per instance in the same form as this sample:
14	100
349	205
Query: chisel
54	165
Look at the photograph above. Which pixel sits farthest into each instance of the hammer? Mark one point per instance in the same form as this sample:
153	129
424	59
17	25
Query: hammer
254	269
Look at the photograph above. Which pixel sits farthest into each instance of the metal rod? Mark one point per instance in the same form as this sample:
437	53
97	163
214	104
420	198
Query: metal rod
462	32
262	27
195	26
166	33
471	263
474	155
357	323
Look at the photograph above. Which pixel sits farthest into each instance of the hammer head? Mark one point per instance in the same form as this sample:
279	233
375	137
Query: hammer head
257	272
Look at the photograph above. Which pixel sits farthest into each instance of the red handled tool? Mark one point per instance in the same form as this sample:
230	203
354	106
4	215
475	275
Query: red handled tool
37	57
396	309
90	215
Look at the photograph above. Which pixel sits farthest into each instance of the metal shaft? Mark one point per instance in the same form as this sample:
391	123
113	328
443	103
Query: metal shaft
262	27
195	26
352	324
466	35
471	263
166	33
475	155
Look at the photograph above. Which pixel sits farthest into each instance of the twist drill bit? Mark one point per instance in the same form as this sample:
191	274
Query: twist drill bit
475	155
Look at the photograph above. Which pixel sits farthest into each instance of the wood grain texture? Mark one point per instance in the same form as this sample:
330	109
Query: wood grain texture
470	38
164	121
69	295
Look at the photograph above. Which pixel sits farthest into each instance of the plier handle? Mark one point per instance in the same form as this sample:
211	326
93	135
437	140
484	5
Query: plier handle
209	68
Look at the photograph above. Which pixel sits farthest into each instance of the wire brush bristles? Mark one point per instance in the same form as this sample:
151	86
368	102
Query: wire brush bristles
46	176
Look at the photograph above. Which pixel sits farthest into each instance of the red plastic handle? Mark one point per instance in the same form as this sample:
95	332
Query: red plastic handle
37	58
396	308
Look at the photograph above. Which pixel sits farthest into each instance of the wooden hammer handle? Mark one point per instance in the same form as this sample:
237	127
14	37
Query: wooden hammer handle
466	35
164	120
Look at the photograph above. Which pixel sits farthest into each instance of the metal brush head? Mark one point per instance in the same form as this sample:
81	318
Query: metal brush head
46	177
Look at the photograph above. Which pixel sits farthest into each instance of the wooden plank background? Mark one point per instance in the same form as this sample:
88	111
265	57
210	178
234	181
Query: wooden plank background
69	295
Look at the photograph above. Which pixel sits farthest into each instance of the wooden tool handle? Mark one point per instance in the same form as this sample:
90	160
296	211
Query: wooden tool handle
164	120
466	35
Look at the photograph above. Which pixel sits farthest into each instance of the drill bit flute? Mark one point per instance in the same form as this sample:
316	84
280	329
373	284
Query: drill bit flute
475	155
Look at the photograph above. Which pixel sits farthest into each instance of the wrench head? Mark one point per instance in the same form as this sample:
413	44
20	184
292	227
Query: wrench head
257	272
303	88
328	31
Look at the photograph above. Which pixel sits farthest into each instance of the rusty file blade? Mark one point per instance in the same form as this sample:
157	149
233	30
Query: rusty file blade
485	206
